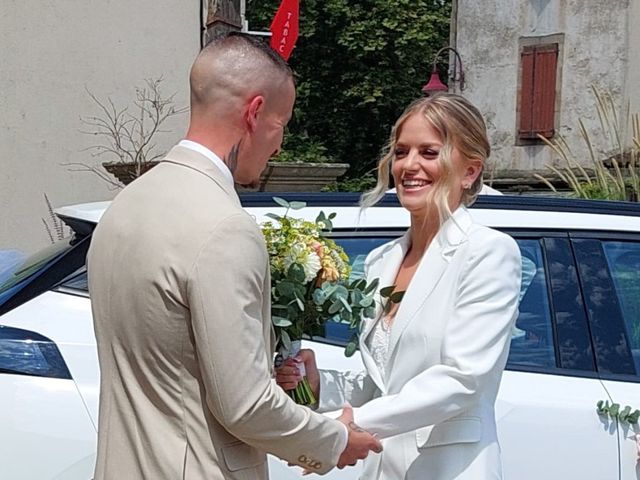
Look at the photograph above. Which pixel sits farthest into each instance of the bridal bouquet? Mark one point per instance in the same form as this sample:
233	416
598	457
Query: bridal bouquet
310	285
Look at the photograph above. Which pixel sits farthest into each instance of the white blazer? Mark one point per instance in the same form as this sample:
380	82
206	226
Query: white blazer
449	343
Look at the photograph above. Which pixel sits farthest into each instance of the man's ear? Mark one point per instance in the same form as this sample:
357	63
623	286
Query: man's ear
255	108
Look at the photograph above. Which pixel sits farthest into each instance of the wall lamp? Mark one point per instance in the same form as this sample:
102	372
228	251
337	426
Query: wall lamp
435	84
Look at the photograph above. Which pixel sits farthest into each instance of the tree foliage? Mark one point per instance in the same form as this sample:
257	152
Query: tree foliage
358	64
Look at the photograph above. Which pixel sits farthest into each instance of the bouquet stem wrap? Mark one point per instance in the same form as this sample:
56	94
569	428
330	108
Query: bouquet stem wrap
302	394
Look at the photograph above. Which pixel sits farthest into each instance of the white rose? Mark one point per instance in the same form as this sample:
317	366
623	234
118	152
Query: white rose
311	266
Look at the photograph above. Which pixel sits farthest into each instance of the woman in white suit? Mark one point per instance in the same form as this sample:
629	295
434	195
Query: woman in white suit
435	359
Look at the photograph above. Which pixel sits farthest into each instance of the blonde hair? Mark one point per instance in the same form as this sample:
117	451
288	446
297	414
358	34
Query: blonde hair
460	126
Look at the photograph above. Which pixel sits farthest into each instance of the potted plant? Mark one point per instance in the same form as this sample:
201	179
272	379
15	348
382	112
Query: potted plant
128	135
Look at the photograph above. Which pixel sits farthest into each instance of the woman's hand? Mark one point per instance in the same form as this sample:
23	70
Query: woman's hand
293	369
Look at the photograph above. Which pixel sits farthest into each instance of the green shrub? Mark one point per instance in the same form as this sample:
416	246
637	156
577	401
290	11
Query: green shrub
615	177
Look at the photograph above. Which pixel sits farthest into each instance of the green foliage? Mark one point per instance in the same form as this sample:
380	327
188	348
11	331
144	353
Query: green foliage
389	295
310	277
613	410
358	65
301	148
616	177
358	184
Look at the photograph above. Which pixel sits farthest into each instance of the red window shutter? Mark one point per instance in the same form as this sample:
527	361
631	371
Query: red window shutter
538	91
544	95
527	58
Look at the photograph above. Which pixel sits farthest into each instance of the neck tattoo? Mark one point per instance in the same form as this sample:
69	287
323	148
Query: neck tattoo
231	159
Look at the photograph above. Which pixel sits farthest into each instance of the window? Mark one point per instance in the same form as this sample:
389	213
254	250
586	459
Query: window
532	338
597	263
26	267
537	102
624	264
573	341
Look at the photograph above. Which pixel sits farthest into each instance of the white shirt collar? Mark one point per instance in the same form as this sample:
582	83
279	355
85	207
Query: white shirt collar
202	150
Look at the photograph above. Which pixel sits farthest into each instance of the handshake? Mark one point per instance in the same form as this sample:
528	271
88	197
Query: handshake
360	442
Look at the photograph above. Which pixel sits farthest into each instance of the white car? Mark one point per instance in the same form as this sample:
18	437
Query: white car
576	341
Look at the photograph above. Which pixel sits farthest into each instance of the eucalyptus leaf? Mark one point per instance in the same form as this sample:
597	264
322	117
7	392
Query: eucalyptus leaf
319	297
370	312
328	224
345	303
300	290
282	202
359	284
356	297
273	216
350	349
385	292
614	410
625	413
297	205
335	307
366	302
286	339
300	303
295	273
340	292
281	321
285	289
396	297
328	288
372	286
332	215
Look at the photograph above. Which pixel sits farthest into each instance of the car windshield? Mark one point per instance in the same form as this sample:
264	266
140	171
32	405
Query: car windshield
16	267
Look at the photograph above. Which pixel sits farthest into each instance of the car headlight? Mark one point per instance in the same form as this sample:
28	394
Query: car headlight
23	352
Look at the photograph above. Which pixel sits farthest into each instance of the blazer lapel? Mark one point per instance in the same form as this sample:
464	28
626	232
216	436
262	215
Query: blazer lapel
430	270
191	159
384	268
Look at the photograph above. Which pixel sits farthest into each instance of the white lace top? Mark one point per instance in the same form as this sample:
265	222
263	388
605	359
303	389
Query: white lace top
379	344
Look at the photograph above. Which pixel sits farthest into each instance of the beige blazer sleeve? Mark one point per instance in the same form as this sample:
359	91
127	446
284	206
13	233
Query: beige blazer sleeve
229	332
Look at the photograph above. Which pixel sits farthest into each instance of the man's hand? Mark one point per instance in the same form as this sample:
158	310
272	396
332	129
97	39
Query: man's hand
360	442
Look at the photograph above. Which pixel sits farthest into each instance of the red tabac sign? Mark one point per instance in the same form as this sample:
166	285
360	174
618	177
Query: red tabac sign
284	28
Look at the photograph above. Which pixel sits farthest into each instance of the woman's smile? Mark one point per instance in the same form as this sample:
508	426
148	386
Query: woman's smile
414	185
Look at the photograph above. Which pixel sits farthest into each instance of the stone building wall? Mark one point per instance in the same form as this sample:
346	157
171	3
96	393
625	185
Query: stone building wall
50	56
596	49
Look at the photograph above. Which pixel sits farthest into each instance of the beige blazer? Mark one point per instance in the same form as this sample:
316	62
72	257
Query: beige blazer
179	282
449	345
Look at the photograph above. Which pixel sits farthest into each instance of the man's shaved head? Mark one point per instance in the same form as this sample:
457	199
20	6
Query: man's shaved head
242	97
231	69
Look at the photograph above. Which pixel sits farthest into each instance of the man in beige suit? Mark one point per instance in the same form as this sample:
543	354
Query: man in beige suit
179	281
